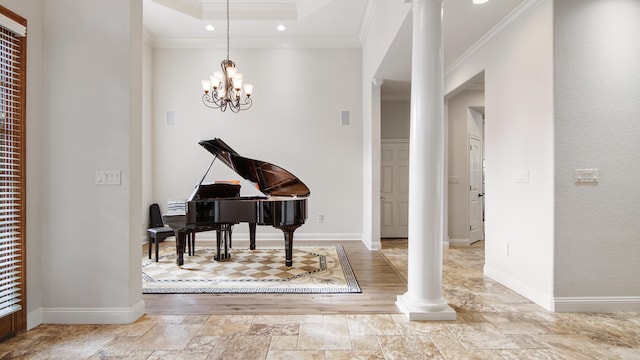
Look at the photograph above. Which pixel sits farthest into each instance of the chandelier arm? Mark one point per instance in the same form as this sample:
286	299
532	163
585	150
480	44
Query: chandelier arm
249	102
210	101
244	105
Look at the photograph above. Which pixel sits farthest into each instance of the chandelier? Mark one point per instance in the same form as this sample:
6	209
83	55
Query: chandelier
224	88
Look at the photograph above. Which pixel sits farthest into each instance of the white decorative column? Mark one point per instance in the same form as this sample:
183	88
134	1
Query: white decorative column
423	299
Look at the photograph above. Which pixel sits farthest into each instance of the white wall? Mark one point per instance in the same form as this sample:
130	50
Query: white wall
458	161
91	121
294	123
518	65
597	82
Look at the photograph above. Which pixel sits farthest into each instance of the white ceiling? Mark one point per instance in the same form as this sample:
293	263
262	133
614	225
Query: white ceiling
312	23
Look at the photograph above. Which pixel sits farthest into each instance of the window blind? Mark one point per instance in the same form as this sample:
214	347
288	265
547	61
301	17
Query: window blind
12	172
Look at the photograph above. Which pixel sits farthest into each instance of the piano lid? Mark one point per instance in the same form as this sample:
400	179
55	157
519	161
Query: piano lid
271	179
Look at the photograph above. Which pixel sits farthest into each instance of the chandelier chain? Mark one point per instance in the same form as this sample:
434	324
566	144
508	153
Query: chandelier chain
227	29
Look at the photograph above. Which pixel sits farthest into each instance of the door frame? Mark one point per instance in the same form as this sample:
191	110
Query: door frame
471	137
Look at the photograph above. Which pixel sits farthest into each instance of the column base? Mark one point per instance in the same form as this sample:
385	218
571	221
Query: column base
421	313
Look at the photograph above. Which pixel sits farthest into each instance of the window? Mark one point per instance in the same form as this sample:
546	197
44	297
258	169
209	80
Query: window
12	172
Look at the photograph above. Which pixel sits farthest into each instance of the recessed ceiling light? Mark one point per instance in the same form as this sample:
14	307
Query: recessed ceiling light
281	27
480	1
209	27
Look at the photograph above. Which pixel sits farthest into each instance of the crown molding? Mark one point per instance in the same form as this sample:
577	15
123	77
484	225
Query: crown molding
147	38
520	12
367	20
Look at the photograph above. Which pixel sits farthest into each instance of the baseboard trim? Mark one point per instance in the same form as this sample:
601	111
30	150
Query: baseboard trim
93	315
538	297
459	242
596	304
34	318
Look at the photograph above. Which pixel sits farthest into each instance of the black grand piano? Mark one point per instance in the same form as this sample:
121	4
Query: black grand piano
218	206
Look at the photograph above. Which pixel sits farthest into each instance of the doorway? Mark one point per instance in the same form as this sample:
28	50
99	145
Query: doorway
465	153
394	189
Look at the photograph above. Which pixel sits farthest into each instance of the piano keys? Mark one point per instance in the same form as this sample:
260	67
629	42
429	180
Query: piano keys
219	206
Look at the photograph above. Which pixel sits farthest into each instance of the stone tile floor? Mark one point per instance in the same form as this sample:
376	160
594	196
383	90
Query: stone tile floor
493	323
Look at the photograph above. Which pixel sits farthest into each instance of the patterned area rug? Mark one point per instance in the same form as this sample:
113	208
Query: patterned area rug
314	270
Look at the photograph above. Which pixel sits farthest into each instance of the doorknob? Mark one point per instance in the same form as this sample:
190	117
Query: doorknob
480	195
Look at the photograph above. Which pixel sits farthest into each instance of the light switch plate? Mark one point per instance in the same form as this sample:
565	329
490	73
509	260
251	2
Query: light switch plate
586	176
108	177
521	177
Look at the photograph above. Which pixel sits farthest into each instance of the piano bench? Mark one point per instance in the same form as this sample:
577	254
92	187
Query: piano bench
155	236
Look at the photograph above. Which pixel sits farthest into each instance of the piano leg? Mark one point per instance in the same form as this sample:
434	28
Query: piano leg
192	242
288	242
218	243
189	243
227	240
180	242
222	240
252	236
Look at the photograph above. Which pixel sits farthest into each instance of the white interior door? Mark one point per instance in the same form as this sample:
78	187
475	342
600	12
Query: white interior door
394	192
475	189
